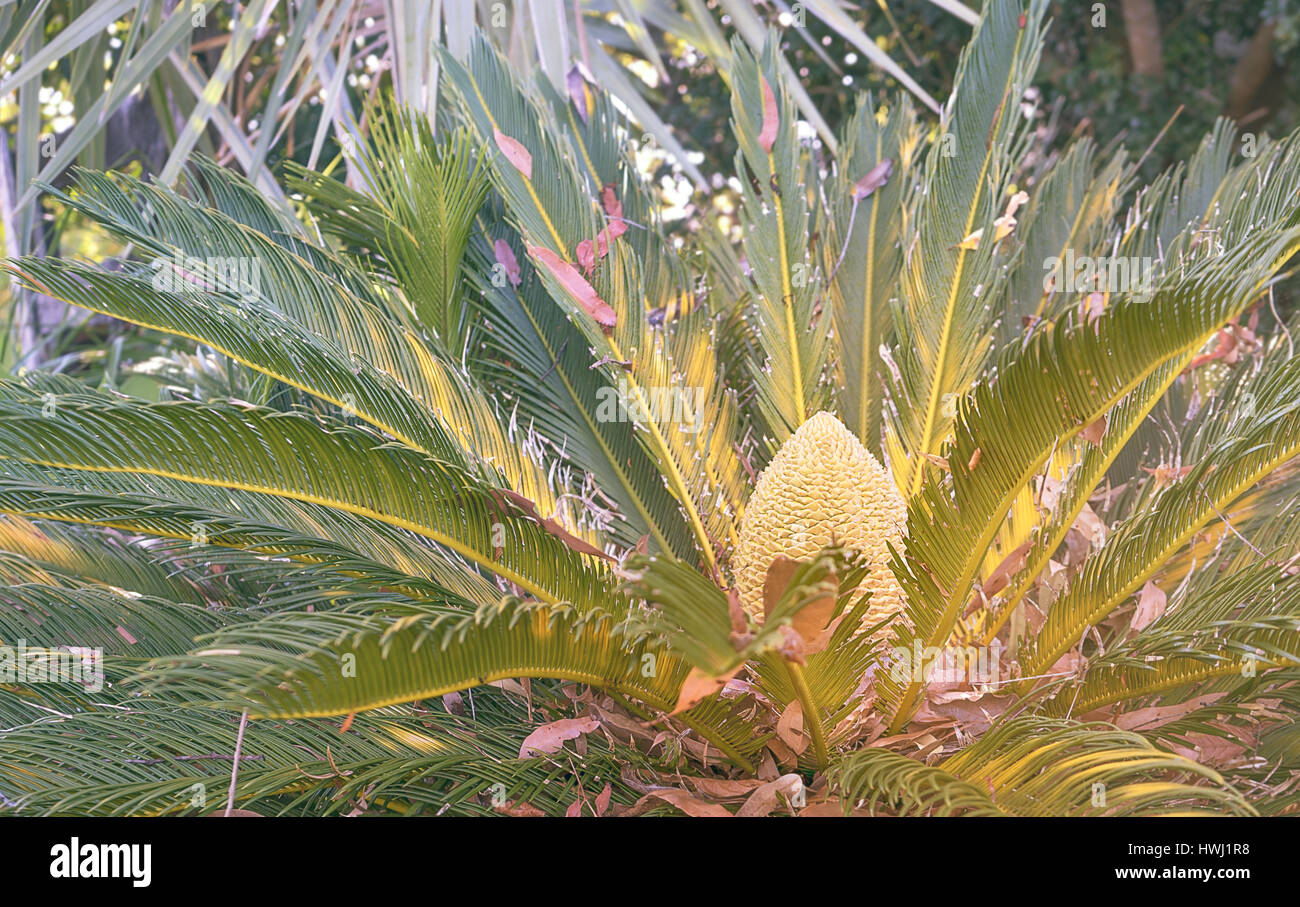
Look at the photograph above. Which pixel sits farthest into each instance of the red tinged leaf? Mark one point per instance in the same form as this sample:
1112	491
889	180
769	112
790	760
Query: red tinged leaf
506	258
587	255
576	285
876	177
613	207
771	118
515	153
589	252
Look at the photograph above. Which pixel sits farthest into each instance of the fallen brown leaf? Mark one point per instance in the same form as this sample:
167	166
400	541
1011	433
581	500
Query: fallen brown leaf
771	796
687	804
1151	605
549	738
790	727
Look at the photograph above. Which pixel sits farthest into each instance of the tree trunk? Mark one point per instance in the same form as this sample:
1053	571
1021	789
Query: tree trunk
1142	26
1255	71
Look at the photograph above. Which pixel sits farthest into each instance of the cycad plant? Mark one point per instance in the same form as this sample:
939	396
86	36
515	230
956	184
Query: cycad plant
495	496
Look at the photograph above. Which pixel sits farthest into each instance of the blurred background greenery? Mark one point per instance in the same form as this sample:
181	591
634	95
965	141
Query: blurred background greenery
141	86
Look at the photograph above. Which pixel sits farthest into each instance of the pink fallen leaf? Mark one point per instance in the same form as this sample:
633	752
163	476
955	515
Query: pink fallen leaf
506	258
609	200
1092	307
1151	605
575	285
771	118
587	255
549	738
876	177
515	153
602	799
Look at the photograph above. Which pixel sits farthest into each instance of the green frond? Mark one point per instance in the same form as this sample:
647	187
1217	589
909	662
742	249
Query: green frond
1141	546
116	621
834	674
1033	766
1044	767
1089	468
1242	626
879	778
276	455
1070	211
209	518
269	308
41	551
638	274
149	757
544	362
943	320
790	386
315	665
863	256
1062	381
431	190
